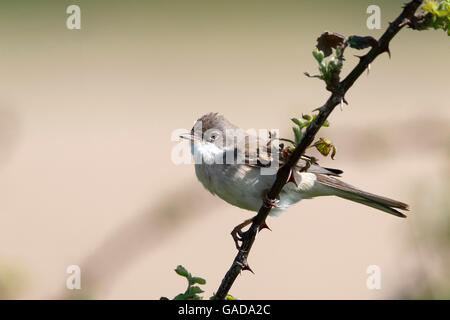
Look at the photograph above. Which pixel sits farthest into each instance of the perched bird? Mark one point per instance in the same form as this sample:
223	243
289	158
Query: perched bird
243	185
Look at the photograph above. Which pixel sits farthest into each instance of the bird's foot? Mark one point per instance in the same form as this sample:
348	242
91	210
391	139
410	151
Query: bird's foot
238	234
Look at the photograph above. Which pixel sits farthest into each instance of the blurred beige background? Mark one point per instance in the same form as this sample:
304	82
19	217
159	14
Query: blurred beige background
86	176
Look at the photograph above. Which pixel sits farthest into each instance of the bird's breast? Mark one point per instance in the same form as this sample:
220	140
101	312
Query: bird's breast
238	184
244	186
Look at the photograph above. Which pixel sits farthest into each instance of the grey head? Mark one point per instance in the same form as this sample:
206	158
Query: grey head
213	136
212	128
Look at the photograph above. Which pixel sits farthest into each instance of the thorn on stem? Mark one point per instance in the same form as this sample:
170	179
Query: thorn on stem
319	108
386	49
345	101
247	267
388	52
263	226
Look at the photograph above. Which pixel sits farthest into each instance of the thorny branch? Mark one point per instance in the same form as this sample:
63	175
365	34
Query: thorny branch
339	89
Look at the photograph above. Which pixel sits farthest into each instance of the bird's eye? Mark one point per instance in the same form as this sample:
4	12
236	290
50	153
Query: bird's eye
211	136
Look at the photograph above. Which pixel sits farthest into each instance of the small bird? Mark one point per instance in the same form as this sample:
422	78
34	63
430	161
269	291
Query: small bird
242	184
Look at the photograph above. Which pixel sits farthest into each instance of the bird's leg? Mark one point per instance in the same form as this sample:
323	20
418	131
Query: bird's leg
237	232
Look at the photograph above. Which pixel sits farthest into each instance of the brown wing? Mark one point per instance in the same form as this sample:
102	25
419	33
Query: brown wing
259	154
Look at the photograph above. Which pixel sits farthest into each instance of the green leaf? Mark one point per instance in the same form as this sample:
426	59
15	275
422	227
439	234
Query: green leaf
296	121
297	135
306	117
318	55
439	15
358	42
182	271
323	68
324	146
194	290
430	6
305	124
230	297
198	280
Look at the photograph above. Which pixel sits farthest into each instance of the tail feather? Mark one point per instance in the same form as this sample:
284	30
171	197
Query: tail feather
373	204
346	191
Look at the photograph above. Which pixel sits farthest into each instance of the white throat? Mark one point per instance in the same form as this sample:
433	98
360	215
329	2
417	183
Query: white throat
209	152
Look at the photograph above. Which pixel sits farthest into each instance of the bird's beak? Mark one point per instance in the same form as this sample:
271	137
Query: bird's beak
189	136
